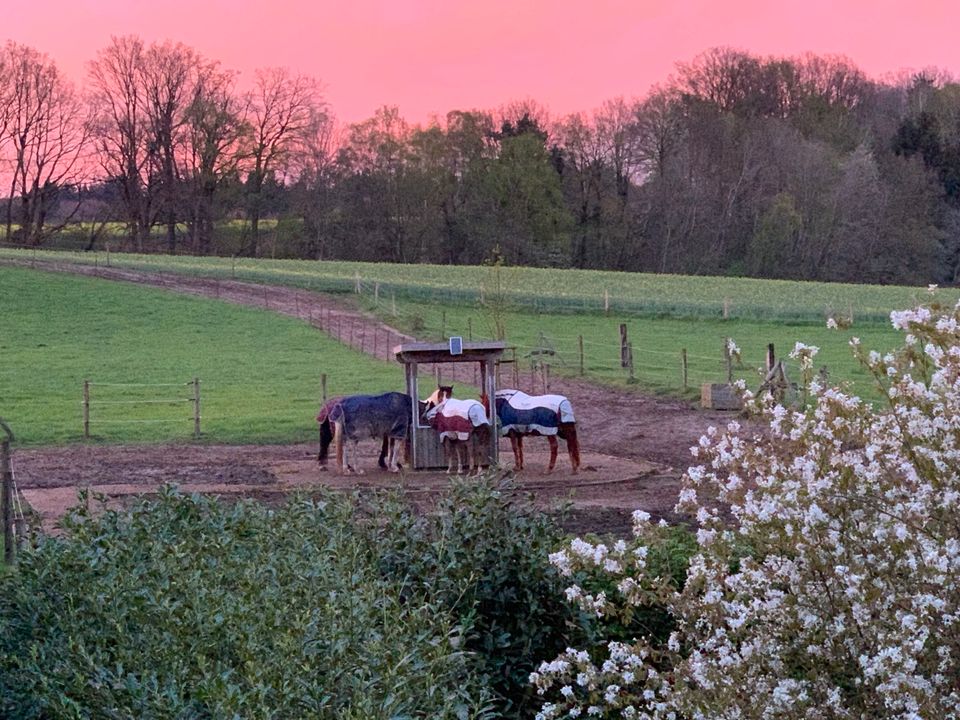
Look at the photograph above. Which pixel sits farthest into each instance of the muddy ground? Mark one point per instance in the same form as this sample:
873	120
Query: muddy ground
635	446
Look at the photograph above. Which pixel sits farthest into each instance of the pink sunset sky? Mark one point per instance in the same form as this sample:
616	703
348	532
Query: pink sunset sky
431	56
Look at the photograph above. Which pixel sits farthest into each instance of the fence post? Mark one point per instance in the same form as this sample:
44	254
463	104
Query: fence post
580	343
357	288
683	367
86	409
376	294
726	308
323	389
9	544
443	325
470	328
516	370
729	359
196	408
771	357
546	378
606	302
393	303
623	345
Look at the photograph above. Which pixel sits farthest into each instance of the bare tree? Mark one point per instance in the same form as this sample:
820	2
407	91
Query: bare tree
122	131
46	139
279	111
213	130
169	77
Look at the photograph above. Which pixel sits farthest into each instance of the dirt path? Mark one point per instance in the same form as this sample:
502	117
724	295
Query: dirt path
636	444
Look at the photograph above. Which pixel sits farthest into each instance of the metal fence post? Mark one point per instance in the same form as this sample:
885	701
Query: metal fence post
196	408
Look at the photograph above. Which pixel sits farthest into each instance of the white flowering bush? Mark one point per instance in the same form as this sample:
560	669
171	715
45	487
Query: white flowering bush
825	580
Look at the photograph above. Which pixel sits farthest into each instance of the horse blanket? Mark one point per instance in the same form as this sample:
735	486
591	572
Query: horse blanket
532	414
370	415
456	419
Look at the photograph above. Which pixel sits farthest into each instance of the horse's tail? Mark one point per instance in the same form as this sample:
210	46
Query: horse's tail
569	433
326	437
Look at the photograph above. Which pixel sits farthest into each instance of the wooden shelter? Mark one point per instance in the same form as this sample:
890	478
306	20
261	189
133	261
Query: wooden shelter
425	448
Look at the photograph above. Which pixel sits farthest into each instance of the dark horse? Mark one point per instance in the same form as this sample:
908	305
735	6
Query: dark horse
549	415
354	417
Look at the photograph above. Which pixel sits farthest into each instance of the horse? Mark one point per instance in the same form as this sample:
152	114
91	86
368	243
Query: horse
549	415
385	416
463	427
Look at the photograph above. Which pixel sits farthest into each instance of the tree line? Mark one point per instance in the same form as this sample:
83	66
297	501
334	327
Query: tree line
798	168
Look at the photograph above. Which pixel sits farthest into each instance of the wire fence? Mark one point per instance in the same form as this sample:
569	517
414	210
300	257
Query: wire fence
561	300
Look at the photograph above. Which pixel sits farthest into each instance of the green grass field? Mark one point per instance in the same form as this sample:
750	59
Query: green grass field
260	372
545	290
139	347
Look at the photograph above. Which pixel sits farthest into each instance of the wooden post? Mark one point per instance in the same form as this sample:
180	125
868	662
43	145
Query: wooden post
726	308
729	359
376	294
296	300
470	328
393	303
580	343
771	357
86	409
196	408
9	543
624	345
357	287
437	371
443	326
323	389
683	367
516	371
606	302
546	378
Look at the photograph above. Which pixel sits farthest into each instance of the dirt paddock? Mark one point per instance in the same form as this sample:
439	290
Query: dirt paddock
600	498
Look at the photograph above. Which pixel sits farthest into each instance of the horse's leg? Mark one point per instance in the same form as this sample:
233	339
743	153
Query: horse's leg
552	439
395	445
447	444
384	449
515	446
573	447
356	457
338	444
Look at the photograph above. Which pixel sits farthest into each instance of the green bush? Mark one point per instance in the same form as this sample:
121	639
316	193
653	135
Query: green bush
483	555
184	607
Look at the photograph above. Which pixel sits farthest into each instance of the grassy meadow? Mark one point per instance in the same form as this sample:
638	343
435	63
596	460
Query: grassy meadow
139	347
260	372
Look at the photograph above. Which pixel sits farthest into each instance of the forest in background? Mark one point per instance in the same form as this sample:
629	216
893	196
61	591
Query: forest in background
797	168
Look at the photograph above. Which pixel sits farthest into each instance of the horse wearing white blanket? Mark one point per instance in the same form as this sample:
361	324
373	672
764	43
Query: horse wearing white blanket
463	426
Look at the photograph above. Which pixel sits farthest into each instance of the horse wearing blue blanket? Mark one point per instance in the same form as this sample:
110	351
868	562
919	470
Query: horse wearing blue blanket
548	415
356	417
